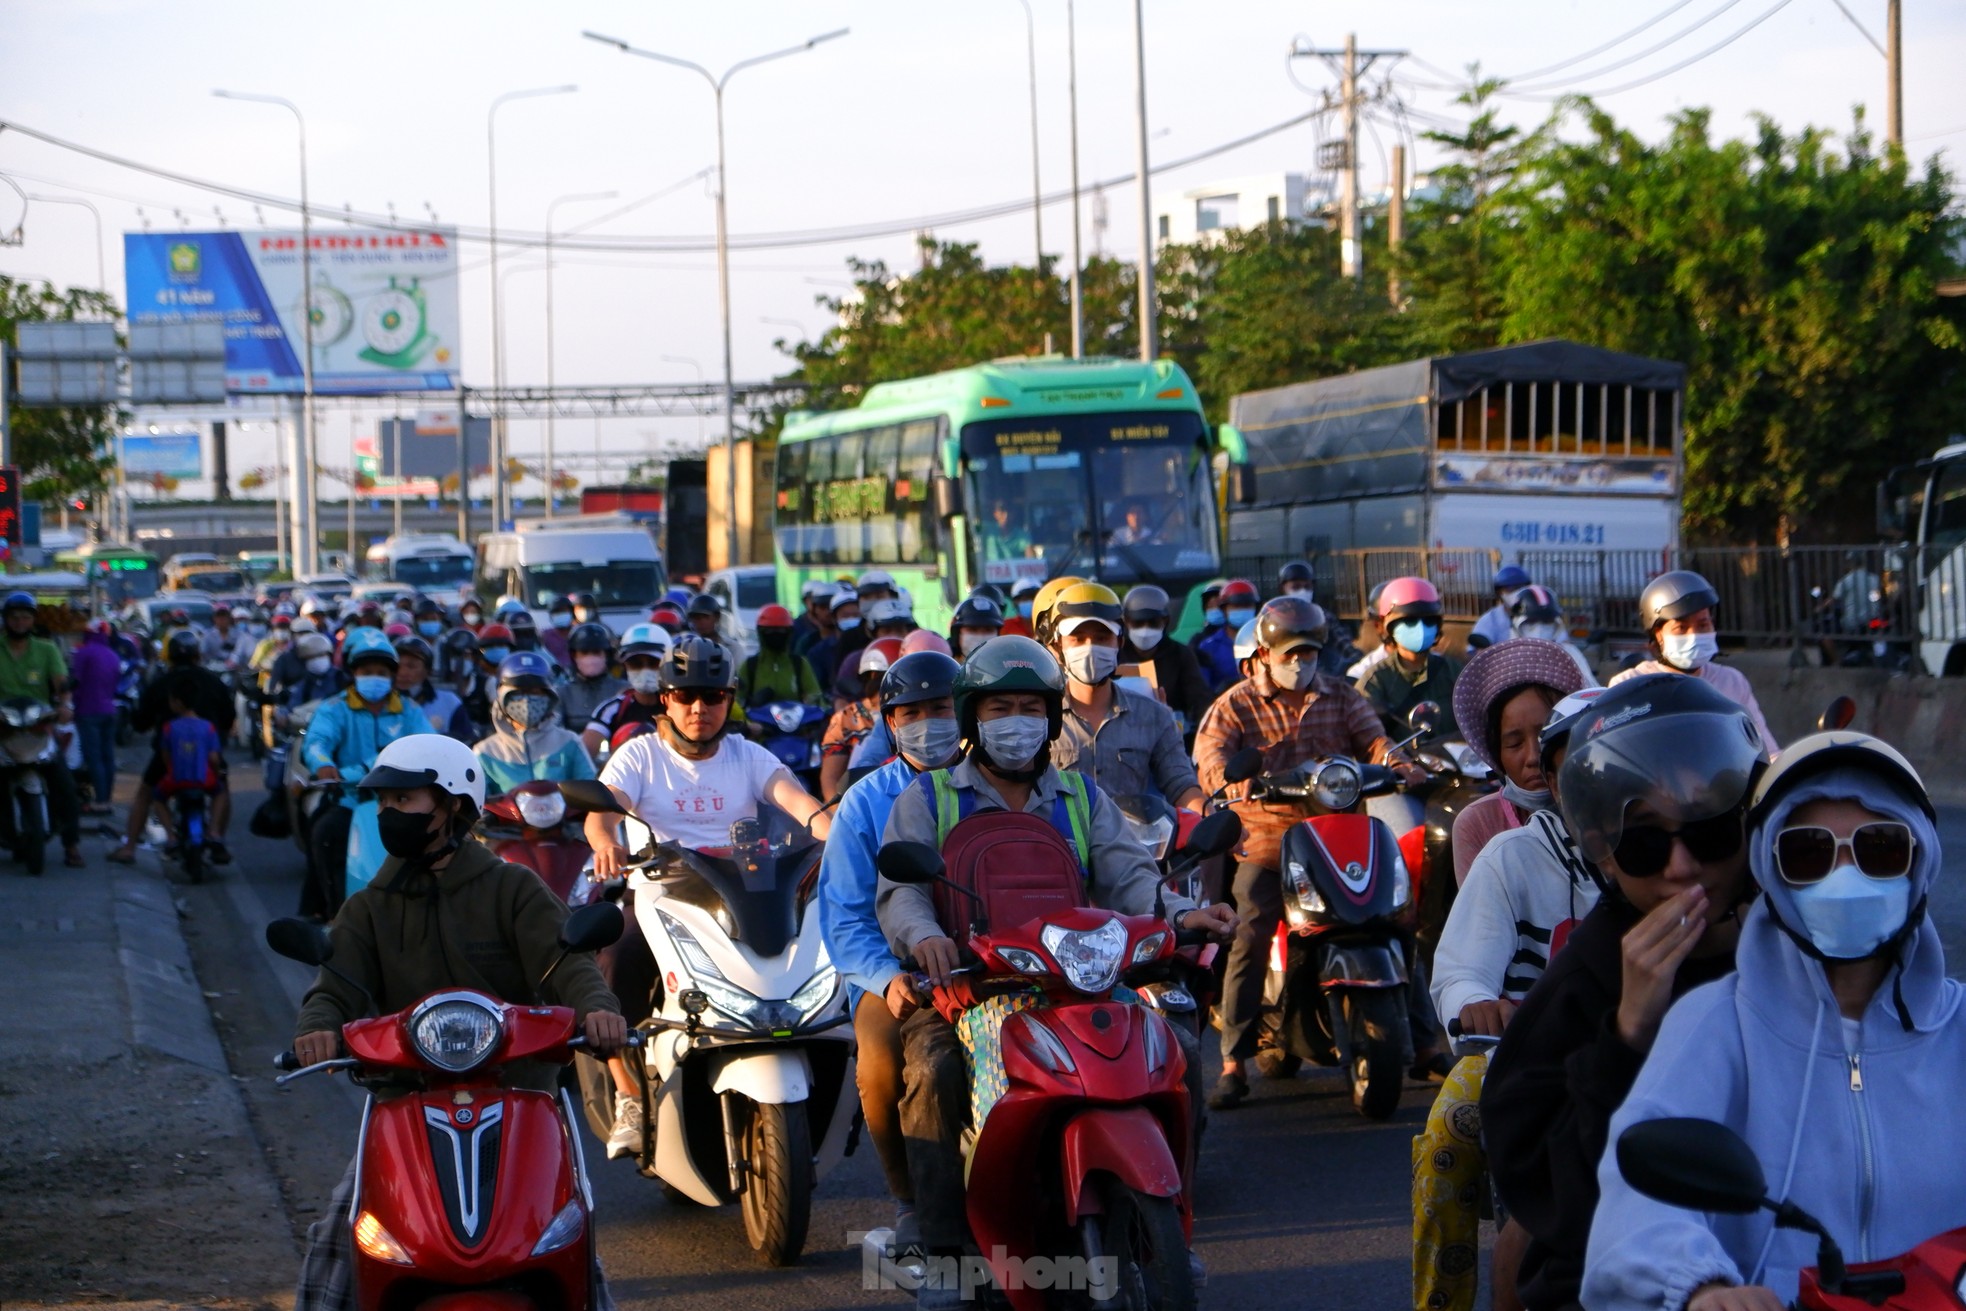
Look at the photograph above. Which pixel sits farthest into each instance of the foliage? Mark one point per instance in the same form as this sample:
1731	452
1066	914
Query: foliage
61	452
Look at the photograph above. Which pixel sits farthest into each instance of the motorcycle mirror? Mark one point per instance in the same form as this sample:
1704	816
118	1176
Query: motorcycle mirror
1243	766
1424	717
301	940
596	925
909	862
1695	1164
591	795
1216	835
1839	714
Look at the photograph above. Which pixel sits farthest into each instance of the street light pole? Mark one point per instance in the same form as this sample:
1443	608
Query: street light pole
499	493
307	504
551	490
102	279
1037	186
1149	327
1072	83
717	85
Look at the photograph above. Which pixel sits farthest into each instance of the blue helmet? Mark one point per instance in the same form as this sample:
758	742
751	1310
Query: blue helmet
679	596
1511	575
525	671
366	644
19	601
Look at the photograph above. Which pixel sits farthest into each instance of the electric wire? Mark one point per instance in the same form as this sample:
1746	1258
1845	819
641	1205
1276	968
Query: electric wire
1629	60
1595	51
1682	64
1860	27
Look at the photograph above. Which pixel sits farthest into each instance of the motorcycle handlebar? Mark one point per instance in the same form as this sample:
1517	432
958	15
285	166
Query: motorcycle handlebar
1192	937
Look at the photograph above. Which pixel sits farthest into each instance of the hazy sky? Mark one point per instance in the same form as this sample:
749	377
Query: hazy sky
923	109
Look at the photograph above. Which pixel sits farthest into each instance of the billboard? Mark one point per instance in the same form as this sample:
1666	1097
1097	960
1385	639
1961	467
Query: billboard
384	304
429	445
173	454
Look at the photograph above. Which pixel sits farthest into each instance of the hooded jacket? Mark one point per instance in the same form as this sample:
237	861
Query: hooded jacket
514	755
1861	1130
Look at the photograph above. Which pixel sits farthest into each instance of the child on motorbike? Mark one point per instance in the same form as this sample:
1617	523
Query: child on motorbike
1835	1049
527	740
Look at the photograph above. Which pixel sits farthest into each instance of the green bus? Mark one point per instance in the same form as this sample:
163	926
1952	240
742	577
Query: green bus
121	572
1032	467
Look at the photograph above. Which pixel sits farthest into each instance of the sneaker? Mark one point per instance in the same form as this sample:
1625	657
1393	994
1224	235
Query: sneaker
626	1140
1230	1090
907	1239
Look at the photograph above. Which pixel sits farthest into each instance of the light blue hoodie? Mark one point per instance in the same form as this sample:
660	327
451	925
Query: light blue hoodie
1866	1139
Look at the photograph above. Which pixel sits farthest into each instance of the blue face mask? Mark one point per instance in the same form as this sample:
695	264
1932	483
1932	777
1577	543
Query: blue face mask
373	687
847	625
430	627
494	654
1237	618
1027	608
1213	614
1416	635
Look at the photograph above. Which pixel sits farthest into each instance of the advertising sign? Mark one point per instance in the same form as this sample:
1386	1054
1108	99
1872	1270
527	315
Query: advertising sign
1569	475
173	454
384	304
428	444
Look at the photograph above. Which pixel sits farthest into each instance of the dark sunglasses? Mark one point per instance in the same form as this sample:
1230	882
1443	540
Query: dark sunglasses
1644	851
1882	850
694	696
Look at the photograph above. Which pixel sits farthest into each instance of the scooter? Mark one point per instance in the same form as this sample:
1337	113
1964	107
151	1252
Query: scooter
468	1193
1082	1167
748	1069
1184	850
1704	1166
533	825
791	730
1456	779
27	752
193	833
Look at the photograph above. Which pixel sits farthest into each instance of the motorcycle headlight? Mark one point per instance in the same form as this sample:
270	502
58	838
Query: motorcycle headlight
1024	962
1402	881
456	1031
748	1009
817	992
1336	785
542	809
1089	957
787	716
24	746
1303	901
565	1227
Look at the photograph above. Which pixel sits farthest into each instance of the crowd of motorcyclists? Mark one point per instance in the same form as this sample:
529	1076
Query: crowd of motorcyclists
1651	910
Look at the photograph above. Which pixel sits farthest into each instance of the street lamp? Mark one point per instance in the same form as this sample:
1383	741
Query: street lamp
1037	187
102	279
306	552
1072	87
557	201
717	85
499	494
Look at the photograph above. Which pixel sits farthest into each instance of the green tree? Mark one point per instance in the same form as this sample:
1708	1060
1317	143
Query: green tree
61	452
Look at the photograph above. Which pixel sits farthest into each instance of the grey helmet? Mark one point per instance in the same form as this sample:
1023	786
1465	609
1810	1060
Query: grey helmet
1674	595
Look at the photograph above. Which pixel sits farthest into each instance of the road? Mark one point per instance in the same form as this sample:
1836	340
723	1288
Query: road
1295	1192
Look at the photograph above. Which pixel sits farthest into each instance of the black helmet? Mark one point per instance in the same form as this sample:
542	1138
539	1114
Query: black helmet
978	612
416	646
1536	604
1145	604
705	604
919	676
428	605
1674	595
696	662
584	601
182	648
461	642
1291	621
1296	571
590	637
992	591
1010	664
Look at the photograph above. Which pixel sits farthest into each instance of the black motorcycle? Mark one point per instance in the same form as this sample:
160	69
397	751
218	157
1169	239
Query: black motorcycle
27	752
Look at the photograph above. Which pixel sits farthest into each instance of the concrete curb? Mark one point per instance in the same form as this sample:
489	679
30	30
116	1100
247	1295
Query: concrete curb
168	1014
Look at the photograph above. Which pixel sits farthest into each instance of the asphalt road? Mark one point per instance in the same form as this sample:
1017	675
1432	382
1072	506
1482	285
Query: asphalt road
1298	1199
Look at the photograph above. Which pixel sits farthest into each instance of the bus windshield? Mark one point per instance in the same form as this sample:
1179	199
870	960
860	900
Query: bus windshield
426	571
616	584
1126	496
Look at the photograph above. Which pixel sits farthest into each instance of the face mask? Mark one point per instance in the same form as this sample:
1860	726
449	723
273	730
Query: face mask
928	742
1092	664
471	618
257	630
1542	632
494	654
849	624
373	687
1014	741
1026	609
560	620
1849	915
774	639
1298	589
1416	635
1689	651
645	680
429	627
1212	615
1144	637
1508	597
1523	798
404	833
527	711
1293	678
971	640
1237	618
591	666
318	665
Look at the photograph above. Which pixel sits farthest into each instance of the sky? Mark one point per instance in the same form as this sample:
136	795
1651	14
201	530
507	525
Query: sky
922	109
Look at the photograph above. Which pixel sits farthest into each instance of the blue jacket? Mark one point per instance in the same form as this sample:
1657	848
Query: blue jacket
1216	649
345	733
1864	1139
848	880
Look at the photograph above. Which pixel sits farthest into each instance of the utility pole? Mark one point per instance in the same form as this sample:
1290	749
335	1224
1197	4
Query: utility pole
1072	86
1894	90
1149	328
1396	220
1346	63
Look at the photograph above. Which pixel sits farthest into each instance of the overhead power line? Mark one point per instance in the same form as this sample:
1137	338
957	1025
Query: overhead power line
1688	62
1860	27
1646	53
1595	51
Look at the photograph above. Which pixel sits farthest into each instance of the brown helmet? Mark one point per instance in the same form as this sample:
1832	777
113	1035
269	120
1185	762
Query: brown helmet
1289	622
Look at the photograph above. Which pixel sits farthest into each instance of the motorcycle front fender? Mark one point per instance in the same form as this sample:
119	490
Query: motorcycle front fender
1126	1142
1360	965
772	1075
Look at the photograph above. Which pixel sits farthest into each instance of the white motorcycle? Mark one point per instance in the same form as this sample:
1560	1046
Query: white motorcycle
748	1089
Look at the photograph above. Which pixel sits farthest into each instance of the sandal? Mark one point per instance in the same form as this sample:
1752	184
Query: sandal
122	856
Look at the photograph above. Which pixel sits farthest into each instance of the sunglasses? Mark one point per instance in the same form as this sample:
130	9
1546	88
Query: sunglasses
696	696
1645	851
1881	850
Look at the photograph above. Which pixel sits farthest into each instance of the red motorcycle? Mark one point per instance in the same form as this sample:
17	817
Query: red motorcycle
1704	1166
533	825
1086	1156
468	1193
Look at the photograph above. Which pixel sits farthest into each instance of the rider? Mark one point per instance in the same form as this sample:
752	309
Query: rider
1023	602
475	687
1297	579
559	622
1215	648
1177	674
815	618
428	616
1294	715
220	647
1654	790
1127	743
644	648
528	741
776	672
342	742
586	609
441	706
976	621
1676	611
191	684
592	683
443	913
1834	1050
1494	626
34	667
1409	610
823	653
1504	698
1009	700
919	710
854	720
1537	613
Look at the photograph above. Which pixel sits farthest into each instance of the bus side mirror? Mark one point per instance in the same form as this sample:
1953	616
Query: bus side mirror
1242	483
948	497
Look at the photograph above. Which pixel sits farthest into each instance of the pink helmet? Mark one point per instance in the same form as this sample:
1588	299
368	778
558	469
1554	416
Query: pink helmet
923	639
1409	598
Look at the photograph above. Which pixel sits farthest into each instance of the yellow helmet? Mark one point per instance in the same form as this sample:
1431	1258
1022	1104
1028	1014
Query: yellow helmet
1046	598
1085	601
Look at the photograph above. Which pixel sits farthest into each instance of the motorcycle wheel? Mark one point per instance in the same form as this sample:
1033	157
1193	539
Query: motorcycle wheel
1144	1233
1375	1018
777	1198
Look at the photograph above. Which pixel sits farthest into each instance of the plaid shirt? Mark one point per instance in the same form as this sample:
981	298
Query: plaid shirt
1333	720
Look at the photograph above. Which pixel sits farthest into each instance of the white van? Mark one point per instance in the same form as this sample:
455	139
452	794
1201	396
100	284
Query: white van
433	563
610	555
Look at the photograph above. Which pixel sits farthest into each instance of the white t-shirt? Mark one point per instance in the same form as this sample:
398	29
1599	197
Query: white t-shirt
693	802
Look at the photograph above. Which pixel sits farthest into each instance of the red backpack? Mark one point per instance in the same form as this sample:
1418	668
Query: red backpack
1020	866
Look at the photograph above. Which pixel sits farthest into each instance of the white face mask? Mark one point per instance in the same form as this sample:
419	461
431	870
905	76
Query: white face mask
1144	637
969	639
1015	740
1689	651
591	666
319	665
1849	915
645	681
1542	632
1091	664
1293	678
928	742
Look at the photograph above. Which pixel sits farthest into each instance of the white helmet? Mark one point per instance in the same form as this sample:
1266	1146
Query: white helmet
429	760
